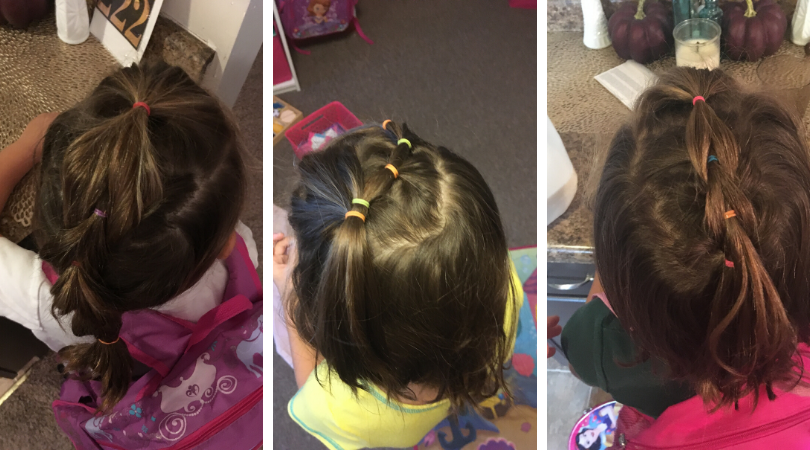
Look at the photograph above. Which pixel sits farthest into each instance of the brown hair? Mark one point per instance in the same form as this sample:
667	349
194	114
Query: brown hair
311	8
662	238
418	292
171	183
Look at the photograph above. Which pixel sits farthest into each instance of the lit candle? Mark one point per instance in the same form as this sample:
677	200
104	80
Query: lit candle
697	44
698	53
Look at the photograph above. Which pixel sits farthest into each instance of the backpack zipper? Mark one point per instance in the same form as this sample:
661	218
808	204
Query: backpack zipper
221	422
726	440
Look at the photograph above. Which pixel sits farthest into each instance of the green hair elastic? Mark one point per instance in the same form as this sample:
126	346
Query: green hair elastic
405	141
359	201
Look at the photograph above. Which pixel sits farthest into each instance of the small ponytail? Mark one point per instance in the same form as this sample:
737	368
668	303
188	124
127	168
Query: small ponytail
747	309
345	274
118	167
110	364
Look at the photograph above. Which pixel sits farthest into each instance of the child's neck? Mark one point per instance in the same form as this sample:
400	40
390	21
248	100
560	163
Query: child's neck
424	395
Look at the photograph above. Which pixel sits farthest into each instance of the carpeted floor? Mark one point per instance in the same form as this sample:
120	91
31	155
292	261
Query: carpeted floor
460	73
26	419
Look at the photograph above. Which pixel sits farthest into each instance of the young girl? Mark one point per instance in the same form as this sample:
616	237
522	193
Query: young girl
702	239
402	285
142	184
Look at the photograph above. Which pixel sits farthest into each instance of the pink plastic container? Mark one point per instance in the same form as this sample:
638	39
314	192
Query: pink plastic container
318	122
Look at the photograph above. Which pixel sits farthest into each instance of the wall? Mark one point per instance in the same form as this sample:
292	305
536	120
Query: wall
232	28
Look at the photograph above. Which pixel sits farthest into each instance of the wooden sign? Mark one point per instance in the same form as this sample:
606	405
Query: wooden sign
128	16
124	27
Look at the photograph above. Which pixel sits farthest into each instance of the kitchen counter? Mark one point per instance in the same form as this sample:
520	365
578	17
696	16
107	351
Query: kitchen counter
586	115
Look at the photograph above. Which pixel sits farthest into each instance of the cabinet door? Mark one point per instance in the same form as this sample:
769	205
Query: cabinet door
568	287
17	347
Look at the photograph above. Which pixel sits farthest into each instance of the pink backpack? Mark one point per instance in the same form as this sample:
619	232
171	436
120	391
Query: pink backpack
204	389
304	19
780	424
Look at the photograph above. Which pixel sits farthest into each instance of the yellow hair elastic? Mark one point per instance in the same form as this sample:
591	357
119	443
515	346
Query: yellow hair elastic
405	141
393	170
354	214
359	201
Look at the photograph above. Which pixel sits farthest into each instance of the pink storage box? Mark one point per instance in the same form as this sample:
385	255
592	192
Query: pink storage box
318	122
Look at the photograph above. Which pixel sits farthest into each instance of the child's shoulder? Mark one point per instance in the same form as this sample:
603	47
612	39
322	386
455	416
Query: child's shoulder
247	235
587	333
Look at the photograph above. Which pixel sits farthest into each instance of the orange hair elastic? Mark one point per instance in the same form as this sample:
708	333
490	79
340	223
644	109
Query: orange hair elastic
392	169
730	213
110	343
385	122
354	214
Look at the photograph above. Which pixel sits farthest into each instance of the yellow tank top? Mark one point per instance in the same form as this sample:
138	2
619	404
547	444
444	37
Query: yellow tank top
342	421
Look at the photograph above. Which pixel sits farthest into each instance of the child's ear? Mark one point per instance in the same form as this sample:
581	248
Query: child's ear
226	251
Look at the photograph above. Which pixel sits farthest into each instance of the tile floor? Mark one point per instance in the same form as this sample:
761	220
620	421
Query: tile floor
568	399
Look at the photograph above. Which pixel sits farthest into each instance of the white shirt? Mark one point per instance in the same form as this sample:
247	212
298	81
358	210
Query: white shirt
25	293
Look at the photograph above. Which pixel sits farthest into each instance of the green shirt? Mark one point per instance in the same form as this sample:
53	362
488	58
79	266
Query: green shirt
595	343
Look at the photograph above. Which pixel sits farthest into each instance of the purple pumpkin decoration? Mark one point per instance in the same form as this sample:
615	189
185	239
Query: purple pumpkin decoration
642	33
752	32
20	13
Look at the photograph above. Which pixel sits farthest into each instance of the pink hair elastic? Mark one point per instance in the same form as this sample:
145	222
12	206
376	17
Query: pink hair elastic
729	264
100	213
699	97
144	106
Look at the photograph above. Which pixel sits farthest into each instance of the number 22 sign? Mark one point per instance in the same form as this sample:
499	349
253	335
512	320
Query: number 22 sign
129	17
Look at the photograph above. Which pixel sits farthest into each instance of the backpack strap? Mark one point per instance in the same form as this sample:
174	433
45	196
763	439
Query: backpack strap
243	254
359	30
145	358
604	300
50	274
243	278
217	317
154	338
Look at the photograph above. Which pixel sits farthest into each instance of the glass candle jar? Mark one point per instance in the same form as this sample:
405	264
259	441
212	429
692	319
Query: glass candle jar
697	44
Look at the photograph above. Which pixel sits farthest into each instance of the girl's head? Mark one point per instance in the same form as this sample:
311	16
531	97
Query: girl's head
318	7
416	293
168	185
723	298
